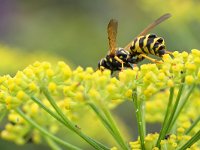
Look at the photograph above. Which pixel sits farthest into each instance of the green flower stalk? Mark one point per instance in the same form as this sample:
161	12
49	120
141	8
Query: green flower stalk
43	100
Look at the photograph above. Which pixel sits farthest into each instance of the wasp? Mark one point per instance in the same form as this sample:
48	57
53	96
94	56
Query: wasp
137	50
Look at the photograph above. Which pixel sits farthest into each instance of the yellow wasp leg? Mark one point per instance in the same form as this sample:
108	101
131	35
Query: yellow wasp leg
168	52
102	68
119	60
151	59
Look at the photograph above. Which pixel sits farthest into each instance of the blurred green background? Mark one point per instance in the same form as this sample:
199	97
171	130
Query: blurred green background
75	30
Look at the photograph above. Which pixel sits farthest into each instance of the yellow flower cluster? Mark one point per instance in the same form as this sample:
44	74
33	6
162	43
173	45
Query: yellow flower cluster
19	131
81	85
72	90
171	142
156	107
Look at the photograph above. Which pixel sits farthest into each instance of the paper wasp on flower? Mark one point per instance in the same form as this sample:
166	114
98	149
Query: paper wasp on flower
136	50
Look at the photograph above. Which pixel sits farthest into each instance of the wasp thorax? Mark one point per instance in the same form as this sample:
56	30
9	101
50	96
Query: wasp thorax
122	54
109	62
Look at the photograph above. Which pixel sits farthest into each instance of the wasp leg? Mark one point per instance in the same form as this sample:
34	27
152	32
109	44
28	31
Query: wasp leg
151	59
119	60
168	52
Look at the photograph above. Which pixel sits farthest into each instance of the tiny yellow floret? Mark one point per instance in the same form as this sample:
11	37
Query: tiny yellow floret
189	79
52	86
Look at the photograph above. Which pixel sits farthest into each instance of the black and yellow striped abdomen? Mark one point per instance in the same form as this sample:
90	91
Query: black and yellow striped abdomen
149	44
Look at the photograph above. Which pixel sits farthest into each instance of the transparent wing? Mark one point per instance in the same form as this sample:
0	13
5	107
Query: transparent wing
112	35
150	27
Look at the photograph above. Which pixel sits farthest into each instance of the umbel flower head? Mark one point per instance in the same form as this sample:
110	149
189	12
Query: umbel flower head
74	90
83	85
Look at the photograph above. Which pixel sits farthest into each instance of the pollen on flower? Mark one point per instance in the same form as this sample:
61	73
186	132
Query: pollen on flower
170	83
149	90
20	95
166	58
66	104
34	108
13	117
129	93
46	65
61	64
28	72
185	55
32	86
186	124
161	76
79	96
181	130
175	53
102	80
106	73
6	135
89	70
37	64
177	68
36	137
148	77
94	94
122	77
189	79
67	72
8	100
174	145
196	52
135	145
52	86
111	88
190	66
78	69
2	79
50	72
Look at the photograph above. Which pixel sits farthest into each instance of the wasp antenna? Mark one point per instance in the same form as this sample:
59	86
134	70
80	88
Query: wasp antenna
162	18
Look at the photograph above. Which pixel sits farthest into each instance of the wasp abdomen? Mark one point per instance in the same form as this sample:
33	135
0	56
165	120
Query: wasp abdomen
149	44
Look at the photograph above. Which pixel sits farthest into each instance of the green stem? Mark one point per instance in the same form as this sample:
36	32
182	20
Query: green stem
193	140
192	126
138	104
142	108
38	101
105	118
172	114
52	144
3	113
53	114
45	132
114	126
92	142
165	122
107	124
179	109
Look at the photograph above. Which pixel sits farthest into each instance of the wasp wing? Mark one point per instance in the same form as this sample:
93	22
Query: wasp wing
150	27
112	35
